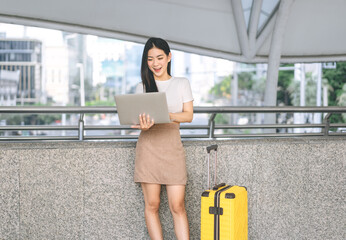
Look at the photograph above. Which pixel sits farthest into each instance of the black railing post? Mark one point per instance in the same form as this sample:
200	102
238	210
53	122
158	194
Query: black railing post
81	127
326	121
211	124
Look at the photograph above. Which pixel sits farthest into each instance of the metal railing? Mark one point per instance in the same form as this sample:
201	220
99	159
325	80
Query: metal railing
210	128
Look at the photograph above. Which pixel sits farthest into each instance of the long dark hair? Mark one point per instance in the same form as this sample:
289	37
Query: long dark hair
147	75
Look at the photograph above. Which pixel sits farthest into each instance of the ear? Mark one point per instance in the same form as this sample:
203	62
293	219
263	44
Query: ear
169	56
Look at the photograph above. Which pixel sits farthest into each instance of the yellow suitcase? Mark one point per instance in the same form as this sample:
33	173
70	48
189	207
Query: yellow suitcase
224	213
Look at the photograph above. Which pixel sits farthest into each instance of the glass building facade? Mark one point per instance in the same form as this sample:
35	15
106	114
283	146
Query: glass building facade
24	55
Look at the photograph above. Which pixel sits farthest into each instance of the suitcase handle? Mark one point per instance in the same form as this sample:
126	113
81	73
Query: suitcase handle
216	187
209	149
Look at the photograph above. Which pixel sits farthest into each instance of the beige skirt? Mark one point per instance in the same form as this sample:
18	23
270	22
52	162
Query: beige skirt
160	156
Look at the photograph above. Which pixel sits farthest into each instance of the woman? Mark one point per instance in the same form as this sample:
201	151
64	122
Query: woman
160	156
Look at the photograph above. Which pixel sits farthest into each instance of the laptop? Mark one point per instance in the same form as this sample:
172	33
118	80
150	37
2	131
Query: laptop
129	106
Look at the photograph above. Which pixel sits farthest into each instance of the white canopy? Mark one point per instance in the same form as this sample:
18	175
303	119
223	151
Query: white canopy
238	30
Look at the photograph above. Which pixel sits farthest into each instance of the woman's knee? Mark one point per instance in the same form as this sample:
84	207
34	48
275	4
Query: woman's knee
151	196
152	205
178	207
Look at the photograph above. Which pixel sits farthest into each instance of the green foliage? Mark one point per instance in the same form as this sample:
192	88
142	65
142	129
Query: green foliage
336	80
341	100
289	90
223	88
310	91
221	119
100	103
259	85
245	80
11	119
31	119
283	93
35	119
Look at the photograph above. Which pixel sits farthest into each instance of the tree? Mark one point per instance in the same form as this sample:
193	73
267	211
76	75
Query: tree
341	100
310	91
222	89
284	81
336	79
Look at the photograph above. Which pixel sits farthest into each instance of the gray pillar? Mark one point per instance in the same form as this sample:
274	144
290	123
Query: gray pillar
253	25
274	57
241	27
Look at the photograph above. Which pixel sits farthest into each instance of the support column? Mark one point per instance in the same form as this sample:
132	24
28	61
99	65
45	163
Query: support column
270	96
241	27
253	25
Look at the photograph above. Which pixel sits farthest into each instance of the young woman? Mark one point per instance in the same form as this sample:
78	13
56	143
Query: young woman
160	156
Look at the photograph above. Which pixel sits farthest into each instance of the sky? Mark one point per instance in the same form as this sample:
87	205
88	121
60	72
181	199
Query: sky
49	36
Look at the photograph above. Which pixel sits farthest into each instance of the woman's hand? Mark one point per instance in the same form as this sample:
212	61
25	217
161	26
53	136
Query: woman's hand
144	122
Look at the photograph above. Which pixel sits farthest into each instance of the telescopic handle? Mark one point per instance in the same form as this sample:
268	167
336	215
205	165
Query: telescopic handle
209	149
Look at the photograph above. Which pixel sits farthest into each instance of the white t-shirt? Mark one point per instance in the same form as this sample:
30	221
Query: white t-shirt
177	89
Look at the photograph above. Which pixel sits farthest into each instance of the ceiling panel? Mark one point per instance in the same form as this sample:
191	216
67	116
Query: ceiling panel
315	29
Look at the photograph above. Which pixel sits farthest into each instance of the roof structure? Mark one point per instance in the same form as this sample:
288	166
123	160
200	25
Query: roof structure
238	30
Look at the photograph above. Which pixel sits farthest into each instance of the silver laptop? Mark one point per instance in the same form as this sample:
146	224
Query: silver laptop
129	106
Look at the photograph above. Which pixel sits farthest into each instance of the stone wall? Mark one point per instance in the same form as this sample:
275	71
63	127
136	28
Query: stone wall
85	190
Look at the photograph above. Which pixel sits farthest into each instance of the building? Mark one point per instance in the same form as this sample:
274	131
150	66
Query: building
24	55
8	87
76	46
56	67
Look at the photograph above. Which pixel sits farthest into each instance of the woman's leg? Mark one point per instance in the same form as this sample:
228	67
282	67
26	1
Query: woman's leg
176	200
151	194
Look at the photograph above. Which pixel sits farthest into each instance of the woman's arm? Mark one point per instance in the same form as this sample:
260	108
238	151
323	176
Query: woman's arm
185	116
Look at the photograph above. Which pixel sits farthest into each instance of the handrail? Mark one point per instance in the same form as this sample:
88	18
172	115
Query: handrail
81	128
201	109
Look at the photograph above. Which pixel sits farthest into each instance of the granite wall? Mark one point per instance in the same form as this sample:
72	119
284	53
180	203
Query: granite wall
84	190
